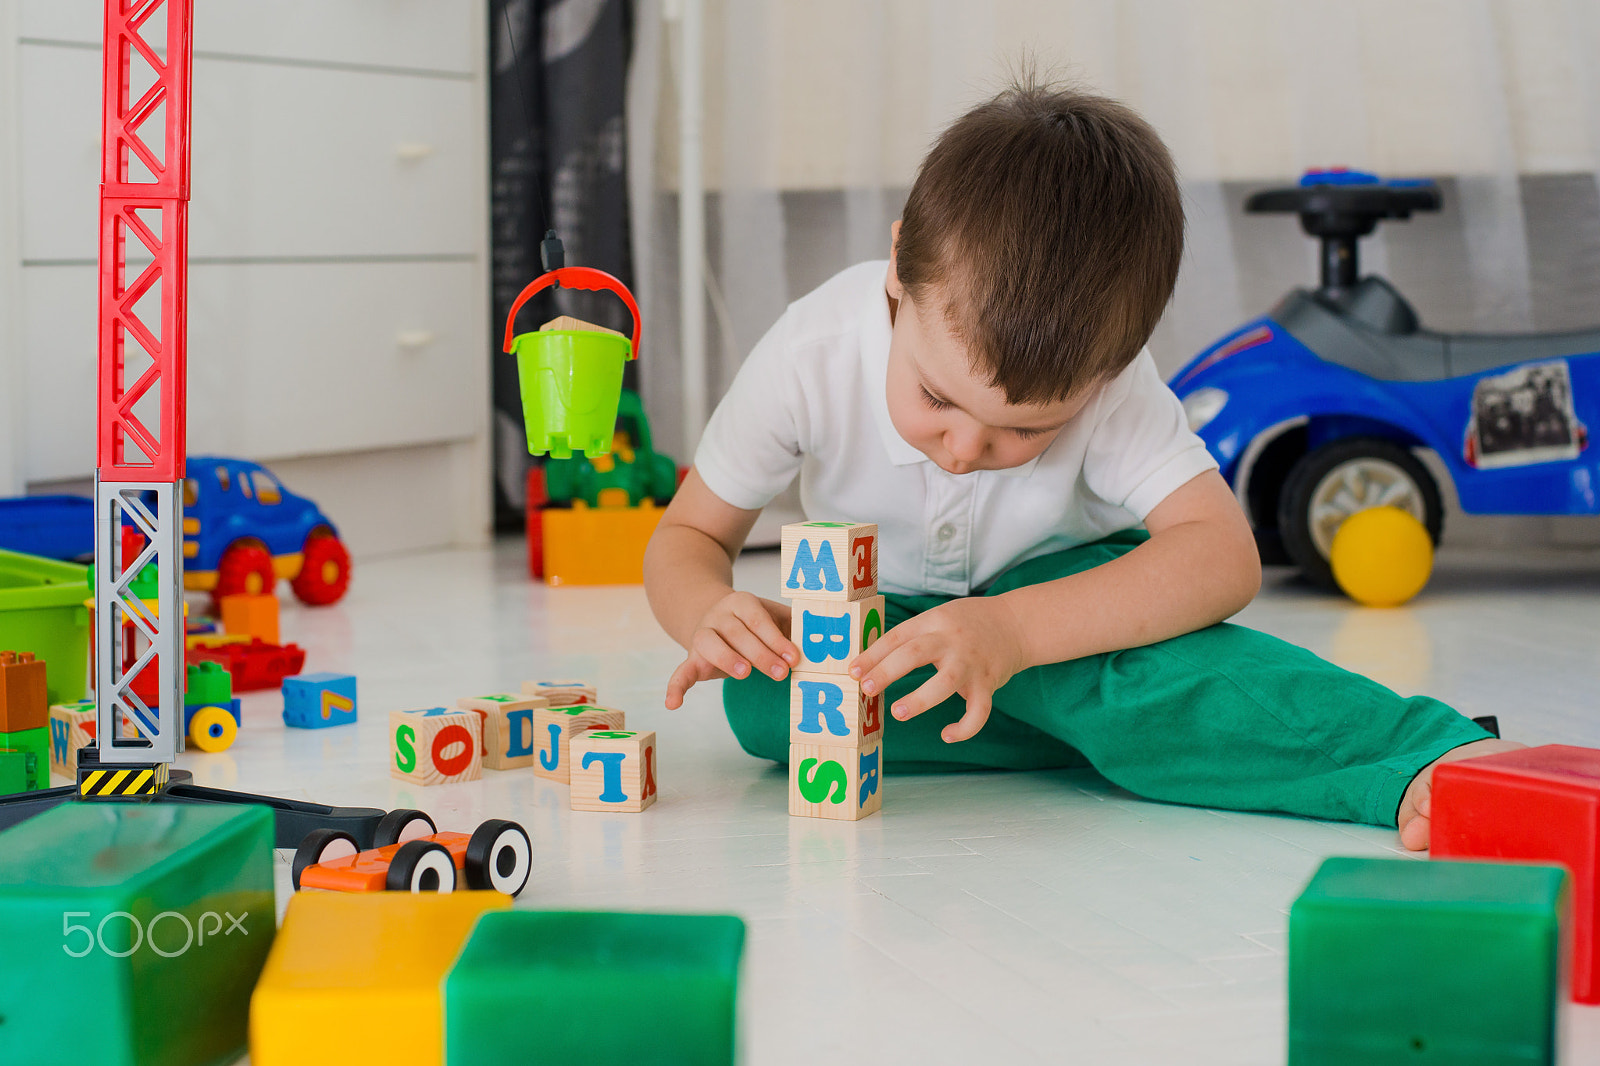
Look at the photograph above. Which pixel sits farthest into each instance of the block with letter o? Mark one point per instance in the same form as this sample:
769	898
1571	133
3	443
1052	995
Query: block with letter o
437	746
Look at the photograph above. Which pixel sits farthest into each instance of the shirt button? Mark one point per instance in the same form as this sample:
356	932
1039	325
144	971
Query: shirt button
947	531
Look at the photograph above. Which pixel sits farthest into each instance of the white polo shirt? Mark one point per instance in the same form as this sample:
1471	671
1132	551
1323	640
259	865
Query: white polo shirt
811	400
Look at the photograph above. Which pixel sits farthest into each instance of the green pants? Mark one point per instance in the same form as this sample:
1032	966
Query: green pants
1223	717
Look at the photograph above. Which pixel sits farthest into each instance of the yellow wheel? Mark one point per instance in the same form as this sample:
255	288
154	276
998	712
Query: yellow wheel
212	729
1381	557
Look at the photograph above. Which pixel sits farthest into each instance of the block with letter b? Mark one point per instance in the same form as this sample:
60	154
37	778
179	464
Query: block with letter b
830	709
829	561
834	782
438	746
507	722
829	633
613	770
554	728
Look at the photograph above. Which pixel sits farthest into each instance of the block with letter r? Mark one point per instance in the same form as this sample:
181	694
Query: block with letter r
830	709
829	633
829	561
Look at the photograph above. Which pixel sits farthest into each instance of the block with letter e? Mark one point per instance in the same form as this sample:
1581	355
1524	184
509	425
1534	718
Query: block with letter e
829	561
834	782
554	728
613	770
507	722
437	746
829	633
830	709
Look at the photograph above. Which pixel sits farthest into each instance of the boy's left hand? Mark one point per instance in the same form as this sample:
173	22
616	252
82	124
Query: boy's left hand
974	644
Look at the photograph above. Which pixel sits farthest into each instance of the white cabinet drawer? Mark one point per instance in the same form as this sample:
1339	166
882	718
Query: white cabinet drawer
283	360
422	34
287	161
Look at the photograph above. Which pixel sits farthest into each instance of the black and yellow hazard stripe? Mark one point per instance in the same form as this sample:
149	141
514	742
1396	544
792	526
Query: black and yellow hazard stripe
136	780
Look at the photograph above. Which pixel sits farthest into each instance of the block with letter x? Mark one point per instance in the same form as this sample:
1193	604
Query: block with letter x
829	561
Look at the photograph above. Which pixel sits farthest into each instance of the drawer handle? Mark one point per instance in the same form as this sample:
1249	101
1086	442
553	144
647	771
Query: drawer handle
411	152
415	338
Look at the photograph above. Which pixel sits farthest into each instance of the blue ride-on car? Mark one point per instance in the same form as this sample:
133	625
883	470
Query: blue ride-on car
1331	402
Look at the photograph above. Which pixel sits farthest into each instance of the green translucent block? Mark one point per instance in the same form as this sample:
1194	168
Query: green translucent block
133	933
594	989
1397	961
36	742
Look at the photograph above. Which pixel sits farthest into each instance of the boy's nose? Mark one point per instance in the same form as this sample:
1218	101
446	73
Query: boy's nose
964	447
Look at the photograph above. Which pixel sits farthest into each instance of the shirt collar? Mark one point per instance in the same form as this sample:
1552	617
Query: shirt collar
876	331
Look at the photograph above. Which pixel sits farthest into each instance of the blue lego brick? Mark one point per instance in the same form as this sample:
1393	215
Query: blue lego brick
316	701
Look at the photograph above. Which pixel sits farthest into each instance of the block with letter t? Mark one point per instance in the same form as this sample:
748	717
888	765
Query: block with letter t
829	561
829	633
613	770
834	782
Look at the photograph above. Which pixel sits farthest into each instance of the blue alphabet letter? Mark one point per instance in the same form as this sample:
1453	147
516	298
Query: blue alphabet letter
519	727
611	766
820	570
552	758
819	700
869	777
824	637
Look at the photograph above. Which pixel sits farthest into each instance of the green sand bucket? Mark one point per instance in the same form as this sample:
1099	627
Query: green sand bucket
571	380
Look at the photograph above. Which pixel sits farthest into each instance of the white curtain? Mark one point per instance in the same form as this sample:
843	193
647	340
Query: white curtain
818	111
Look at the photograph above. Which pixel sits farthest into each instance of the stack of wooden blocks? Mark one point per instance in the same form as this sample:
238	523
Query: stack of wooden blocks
830	575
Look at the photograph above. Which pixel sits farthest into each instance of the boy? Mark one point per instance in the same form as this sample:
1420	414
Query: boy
985	397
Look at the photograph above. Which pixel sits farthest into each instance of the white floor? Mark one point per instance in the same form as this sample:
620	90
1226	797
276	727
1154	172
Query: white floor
982	918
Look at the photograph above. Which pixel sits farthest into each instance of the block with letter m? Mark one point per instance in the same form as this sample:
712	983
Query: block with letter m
829	561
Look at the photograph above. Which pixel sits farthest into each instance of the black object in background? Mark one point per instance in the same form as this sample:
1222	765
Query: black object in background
558	77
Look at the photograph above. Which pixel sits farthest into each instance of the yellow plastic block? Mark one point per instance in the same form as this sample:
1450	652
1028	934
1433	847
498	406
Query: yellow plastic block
597	545
355	978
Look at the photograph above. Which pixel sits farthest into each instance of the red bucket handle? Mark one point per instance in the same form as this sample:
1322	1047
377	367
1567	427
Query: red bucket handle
576	278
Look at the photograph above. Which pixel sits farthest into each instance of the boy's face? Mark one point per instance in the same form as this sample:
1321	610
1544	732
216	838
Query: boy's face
943	406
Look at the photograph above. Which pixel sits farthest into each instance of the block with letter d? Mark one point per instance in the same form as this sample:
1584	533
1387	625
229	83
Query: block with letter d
507	722
554	728
830	709
438	746
613	770
829	633
834	782
829	561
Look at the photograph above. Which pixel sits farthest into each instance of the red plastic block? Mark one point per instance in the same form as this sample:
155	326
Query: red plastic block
1534	805
255	665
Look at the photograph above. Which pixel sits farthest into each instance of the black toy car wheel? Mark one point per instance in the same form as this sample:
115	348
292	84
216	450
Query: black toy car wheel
499	857
421	866
320	845
402	825
1334	482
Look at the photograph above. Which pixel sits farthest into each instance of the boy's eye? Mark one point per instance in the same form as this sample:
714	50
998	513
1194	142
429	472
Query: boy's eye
1029	434
933	401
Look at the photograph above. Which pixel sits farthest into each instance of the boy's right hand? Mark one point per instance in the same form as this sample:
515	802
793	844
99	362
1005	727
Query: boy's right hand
739	630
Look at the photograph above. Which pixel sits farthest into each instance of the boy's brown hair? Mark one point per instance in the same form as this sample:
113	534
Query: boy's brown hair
1051	223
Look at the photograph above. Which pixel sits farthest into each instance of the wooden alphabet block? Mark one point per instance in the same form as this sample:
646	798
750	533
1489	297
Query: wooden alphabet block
554	728
435	747
829	709
613	770
507	721
567	322
561	693
830	633
23	700
829	561
72	725
249	615
833	782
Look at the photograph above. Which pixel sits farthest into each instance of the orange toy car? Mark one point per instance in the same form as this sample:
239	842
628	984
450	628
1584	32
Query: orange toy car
412	855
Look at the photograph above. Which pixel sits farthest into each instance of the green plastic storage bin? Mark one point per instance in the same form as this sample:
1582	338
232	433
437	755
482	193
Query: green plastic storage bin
42	610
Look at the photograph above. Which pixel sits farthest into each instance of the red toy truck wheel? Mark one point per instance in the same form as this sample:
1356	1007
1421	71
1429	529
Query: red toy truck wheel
245	567
324	570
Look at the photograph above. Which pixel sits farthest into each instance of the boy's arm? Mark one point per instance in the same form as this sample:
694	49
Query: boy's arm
1199	567
688	577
